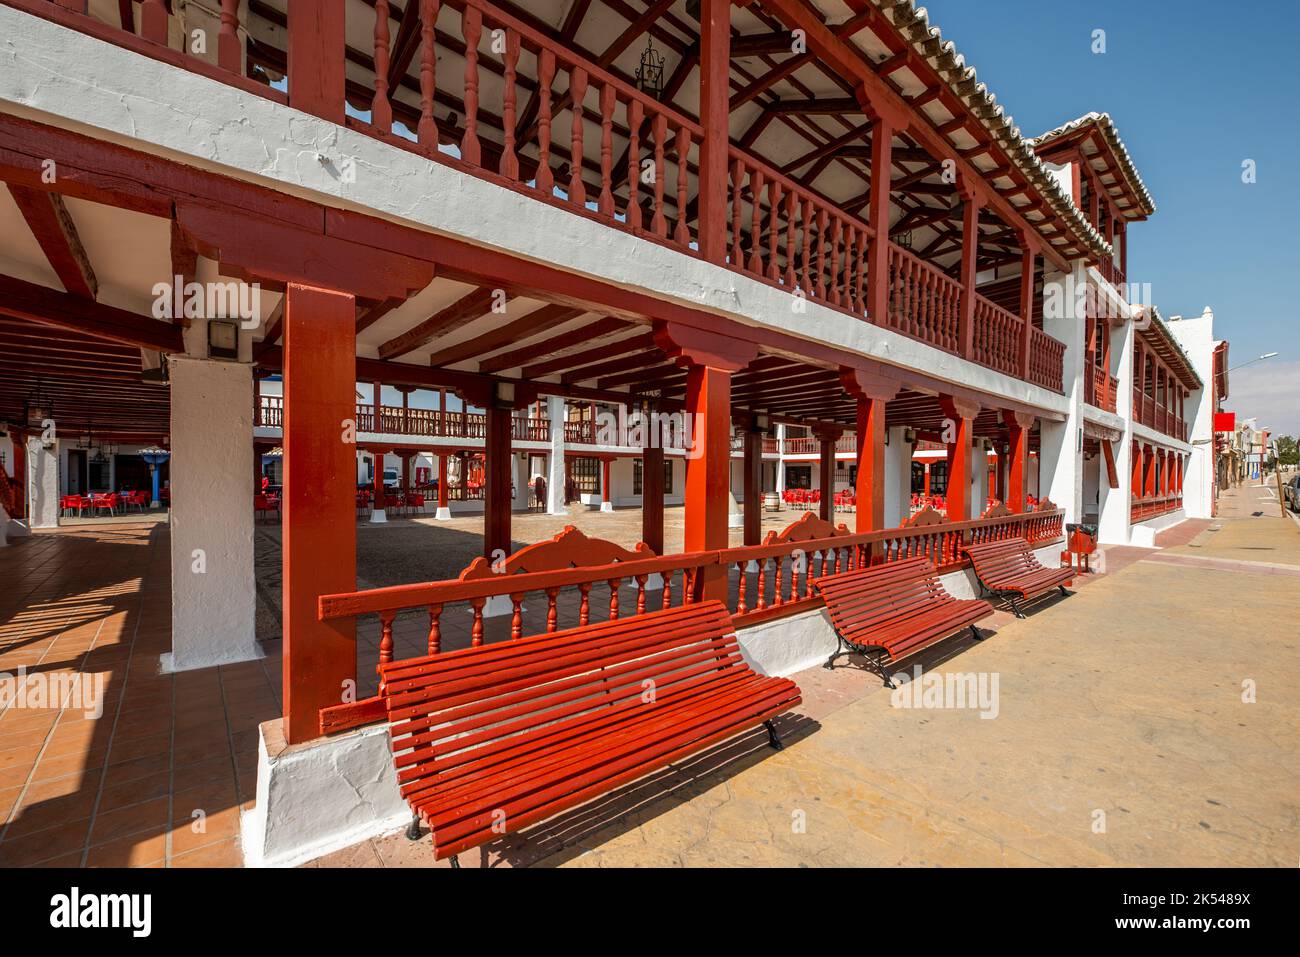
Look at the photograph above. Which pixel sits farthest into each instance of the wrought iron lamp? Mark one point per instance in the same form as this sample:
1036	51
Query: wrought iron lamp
650	74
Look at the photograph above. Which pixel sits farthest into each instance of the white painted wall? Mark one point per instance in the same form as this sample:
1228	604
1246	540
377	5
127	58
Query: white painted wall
1060	458
1196	336
213	590
898	478
1116	504
42	484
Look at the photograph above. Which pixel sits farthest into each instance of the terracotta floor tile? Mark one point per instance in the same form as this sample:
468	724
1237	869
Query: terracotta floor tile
221	854
212	797
218	768
147	815
139	850
218	826
42	845
37	815
48	768
134	770
155	785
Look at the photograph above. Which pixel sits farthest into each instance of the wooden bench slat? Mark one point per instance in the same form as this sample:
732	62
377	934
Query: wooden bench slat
1008	569
899	608
536	725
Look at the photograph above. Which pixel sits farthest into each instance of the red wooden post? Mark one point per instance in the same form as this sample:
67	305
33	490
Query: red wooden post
442	480
753	472
20	475
1028	258
381	110
377	480
970	241
1149	463
652	496
827	436
715	115
427	129
1135	484
872	392
472	29
496	524
605	503
320	536
709	358
315	58
1018	424
230	53
960	415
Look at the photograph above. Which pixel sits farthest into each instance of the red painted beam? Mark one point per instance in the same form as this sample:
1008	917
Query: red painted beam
26	300
47	217
465	309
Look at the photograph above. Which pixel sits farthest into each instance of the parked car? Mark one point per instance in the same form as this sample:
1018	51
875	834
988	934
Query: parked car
1291	491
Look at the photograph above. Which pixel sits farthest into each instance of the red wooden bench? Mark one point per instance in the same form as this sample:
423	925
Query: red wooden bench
491	739
1008	569
895	610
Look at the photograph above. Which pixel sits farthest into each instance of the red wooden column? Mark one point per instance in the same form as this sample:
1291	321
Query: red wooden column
442	481
606	505
969	251
1018	424
753	477
710	359
960	419
882	143
1136	481
315	55
872	392
1149	460
1028	262
20	474
377	483
320	531
496	466
715	115
652	496
827	436
153	20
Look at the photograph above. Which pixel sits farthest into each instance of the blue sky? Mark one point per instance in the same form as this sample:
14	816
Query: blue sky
1195	88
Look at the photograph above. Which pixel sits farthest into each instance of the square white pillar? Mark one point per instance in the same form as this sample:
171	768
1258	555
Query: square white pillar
898	478
1061	456
1114	510
214	599
555	462
42	483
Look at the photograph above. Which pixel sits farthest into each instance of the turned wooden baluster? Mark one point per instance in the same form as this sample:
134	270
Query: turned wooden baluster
741	607
545	77
667	579
228	52
427	130
381	111
777	598
476	630
634	113
509	166
640	593
756	222
552	613
613	598
773	227
153	20
850	290
607	101
823	226
659	223
682	234
584	605
577	92
836	289
860	270
761	603
790	211
517	616
386	636
737	175
471	19
794	577
435	629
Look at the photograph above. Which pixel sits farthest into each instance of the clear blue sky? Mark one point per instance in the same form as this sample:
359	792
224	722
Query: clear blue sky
1195	88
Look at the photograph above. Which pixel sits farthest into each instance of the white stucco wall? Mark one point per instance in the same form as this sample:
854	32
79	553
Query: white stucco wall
213	588
1060	458
42	484
1196	336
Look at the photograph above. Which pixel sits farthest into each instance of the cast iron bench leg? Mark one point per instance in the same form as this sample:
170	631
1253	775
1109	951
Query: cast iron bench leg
413	832
975	633
773	739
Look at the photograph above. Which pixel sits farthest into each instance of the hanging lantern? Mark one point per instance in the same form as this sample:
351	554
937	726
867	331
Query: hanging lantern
37	407
905	239
650	74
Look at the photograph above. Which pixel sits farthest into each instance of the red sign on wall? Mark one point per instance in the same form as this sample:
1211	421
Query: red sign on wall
1225	422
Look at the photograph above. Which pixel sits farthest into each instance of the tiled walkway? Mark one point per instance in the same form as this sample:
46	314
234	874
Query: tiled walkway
156	779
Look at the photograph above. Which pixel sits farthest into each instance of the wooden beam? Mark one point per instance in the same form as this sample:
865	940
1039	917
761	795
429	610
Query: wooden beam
540	320
47	217
465	309
26	300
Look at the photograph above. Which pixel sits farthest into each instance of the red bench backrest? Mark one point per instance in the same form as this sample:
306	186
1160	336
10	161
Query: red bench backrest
861	597
451	710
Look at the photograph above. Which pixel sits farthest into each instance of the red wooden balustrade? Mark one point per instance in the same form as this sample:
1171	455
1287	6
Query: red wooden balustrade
772	580
431	423
996	337
787	235
924	302
1046	360
1102	389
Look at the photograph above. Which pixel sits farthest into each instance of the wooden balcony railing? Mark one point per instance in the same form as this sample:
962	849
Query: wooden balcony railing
770	581
1046	360
1101	389
996	337
426	423
1111	272
924	303
1152	507
1150	413
790	236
